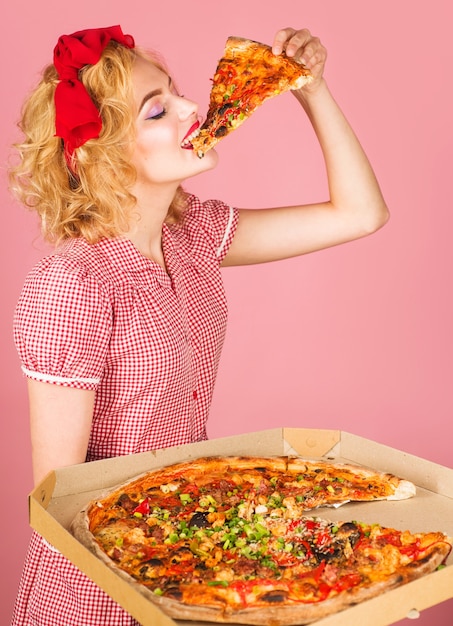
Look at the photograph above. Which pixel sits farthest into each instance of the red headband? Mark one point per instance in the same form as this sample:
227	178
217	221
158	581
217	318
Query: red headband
77	118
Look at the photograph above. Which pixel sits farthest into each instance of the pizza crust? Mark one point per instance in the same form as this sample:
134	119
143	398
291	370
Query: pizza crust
404	490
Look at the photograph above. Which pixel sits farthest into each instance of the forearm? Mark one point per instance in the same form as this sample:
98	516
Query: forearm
353	187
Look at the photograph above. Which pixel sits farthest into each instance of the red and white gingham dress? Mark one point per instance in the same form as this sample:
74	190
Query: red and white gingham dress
104	317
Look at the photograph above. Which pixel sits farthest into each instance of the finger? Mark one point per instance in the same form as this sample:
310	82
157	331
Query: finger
281	38
299	40
312	54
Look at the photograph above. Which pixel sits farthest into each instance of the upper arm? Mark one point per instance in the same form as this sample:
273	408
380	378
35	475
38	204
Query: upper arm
264	235
60	425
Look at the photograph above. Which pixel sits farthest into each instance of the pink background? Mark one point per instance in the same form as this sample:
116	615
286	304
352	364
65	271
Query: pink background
358	337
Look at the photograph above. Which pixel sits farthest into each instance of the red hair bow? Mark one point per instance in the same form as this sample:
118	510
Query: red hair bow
77	118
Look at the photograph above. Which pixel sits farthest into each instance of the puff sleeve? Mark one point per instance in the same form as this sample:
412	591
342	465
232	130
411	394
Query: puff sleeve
62	324
218	222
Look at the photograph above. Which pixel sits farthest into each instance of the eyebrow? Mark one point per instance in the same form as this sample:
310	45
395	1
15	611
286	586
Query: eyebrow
152	94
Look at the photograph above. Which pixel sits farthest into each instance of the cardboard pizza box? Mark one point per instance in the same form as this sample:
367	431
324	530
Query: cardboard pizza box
57	499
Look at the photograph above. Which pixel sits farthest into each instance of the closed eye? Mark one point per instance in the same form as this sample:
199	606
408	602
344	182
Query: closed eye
156	112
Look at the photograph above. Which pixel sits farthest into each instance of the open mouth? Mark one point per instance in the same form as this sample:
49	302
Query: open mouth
193	132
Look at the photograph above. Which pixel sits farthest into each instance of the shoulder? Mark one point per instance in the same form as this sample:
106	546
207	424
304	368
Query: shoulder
71	279
75	256
104	263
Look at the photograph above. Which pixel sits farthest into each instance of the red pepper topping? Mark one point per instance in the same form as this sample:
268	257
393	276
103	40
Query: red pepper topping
142	508
191	489
347	582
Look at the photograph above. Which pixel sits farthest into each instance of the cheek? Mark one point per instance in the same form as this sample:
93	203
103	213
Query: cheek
163	135
149	155
153	142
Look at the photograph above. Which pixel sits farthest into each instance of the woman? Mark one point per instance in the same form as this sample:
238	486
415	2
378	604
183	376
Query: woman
120	331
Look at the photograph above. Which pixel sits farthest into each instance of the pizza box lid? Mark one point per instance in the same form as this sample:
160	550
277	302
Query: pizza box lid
55	501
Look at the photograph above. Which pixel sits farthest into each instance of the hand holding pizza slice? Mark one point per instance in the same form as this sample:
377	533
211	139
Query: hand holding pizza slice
248	74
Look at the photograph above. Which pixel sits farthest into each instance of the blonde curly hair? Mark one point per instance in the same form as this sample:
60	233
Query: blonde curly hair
97	202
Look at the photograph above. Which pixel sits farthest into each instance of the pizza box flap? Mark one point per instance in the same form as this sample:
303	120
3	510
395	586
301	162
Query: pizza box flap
310	442
57	499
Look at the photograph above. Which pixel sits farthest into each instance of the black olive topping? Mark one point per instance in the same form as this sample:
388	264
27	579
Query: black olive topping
199	519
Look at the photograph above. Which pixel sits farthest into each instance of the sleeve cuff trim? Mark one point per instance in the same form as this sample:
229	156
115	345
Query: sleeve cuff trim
48	378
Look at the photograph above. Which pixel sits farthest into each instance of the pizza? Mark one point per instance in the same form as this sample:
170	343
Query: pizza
240	539
247	75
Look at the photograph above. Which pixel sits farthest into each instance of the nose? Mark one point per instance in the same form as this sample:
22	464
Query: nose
187	108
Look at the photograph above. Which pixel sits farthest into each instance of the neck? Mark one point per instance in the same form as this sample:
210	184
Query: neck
147	219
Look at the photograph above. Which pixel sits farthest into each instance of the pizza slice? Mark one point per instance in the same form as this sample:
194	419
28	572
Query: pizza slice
321	483
247	75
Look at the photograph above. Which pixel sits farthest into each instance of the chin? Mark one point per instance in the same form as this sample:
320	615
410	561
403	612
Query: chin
210	159
206	163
